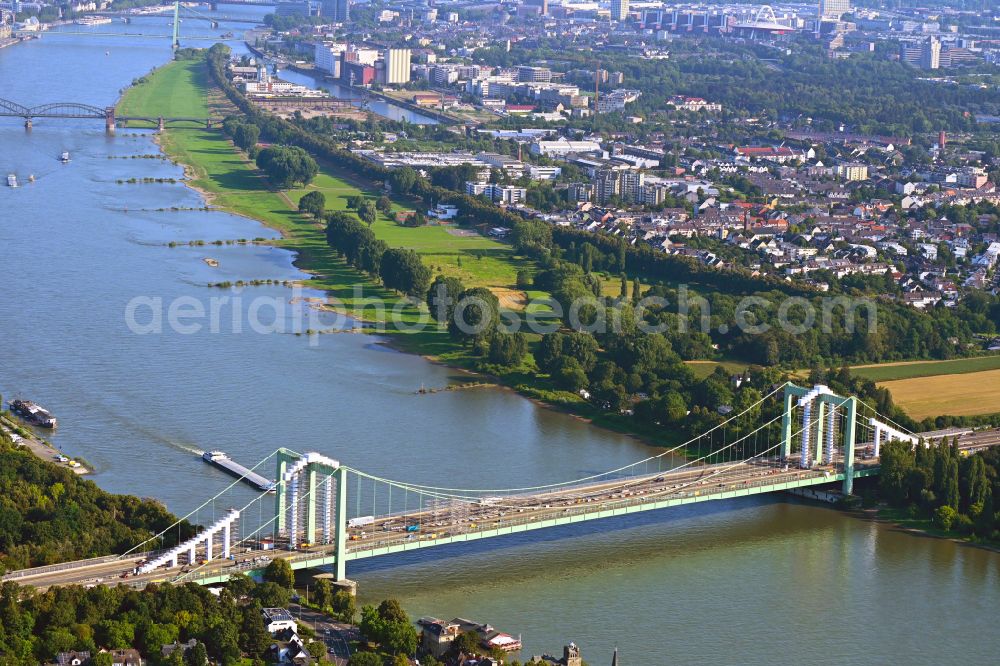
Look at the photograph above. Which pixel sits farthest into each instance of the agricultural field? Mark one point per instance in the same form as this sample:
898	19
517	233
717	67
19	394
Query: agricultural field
964	394
702	369
885	372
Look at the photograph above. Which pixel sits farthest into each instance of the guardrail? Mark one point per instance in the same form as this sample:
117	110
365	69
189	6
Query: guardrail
599	507
76	564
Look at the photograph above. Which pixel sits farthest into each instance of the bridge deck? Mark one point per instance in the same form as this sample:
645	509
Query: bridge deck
463	521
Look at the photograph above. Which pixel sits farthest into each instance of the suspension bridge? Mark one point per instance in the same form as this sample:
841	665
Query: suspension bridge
323	513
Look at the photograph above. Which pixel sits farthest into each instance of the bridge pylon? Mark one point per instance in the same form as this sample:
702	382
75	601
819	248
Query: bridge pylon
109	120
175	41
311	503
823	413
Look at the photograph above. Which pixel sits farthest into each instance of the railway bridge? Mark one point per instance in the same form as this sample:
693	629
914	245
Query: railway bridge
71	110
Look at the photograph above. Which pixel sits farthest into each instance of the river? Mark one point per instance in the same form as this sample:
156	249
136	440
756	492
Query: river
752	581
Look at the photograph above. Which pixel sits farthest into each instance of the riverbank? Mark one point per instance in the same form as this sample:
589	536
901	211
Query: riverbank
231	182
26	439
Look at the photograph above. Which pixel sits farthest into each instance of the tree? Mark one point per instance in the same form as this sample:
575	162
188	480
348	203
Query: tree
384	205
254	637
399	637
569	374
102	659
344	606
197	655
323	593
368	212
279	571
476	315
403	180
390	611
317	649
523	279
467	643
246	135
442	296
507	349
944	517
313	203
404	271
365	659
272	595
287	165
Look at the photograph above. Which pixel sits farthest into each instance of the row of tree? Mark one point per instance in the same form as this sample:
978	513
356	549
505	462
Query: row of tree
398	269
937	481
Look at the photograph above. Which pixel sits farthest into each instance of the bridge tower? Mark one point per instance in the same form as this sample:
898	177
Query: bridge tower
175	41
310	503
109	119
823	413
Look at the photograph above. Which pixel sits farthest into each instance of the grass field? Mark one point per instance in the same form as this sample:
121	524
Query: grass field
703	369
231	182
885	372
965	394
476	260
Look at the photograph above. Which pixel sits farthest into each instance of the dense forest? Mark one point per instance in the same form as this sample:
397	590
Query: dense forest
228	627
937	482
48	514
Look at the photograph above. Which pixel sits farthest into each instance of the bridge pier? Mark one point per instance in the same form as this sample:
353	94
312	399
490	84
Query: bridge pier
27	124
160	124
109	120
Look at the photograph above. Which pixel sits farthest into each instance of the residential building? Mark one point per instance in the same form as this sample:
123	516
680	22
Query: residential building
73	658
397	66
499	194
438	635
278	619
852	171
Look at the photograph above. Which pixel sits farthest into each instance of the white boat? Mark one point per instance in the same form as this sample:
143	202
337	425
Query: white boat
11	180
64	157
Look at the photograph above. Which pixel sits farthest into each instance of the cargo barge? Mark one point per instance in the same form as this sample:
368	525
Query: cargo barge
228	465
33	414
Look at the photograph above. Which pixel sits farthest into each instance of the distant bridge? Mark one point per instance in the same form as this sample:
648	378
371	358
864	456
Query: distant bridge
56	110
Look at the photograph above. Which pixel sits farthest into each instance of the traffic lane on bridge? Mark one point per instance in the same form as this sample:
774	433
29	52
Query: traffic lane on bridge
446	526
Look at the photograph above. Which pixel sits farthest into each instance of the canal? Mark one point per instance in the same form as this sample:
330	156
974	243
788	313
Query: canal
753	581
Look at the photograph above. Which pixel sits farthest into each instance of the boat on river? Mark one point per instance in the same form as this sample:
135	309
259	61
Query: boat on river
225	463
11	180
33	414
64	158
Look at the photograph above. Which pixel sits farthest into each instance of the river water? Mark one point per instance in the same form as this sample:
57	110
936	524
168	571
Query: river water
754	581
